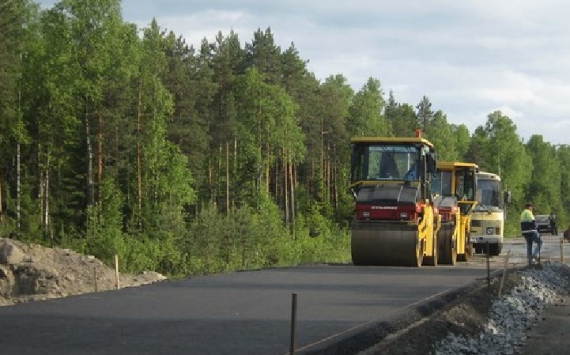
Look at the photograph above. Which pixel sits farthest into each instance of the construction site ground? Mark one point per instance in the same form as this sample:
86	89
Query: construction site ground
58	273
551	336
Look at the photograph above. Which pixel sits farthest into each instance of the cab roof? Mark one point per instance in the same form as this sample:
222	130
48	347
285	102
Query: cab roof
391	140
455	164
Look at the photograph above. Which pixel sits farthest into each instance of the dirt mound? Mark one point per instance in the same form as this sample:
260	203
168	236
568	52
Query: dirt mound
32	272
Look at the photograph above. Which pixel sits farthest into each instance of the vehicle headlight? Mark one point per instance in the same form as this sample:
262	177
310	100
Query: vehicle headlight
490	230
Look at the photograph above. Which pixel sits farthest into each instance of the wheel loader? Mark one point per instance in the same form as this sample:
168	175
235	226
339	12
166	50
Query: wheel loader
394	222
454	187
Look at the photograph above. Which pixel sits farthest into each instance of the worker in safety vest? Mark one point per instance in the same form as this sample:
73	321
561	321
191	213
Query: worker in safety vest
530	233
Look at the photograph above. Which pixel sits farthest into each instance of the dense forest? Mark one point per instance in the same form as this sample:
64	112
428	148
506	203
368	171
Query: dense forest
121	140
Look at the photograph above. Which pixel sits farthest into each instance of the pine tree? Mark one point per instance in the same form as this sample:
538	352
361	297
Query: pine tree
366	112
401	116
425	114
16	26
263	54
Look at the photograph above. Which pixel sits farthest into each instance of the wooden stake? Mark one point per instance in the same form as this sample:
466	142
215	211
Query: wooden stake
117	271
95	277
504	272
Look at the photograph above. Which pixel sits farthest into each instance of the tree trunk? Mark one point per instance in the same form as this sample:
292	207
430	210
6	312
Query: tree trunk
46	201
292	182
267	167
227	177
328	172
99	158
219	174
1	210
211	179
276	182
139	153
335	187
18	188
267	176
285	185
235	166
89	156
18	172
310	187
40	197
44	182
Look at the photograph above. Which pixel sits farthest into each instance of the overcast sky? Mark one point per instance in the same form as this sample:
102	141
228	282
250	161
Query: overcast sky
469	57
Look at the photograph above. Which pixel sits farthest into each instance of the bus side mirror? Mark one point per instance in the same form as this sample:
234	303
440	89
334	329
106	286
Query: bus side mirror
507	197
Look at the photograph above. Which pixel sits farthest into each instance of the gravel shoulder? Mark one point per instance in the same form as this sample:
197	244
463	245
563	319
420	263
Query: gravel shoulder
552	333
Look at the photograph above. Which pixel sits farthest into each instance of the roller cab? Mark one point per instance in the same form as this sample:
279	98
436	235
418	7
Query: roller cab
395	221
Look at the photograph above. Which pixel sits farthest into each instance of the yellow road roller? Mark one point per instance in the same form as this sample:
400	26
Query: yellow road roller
454	187
395	222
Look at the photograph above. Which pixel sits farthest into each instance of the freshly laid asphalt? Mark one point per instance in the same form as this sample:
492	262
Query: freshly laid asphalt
245	313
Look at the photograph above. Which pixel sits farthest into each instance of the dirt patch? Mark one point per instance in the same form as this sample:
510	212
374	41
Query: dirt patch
30	272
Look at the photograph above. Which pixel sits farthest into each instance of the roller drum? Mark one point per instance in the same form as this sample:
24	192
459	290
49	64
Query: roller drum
381	243
447	244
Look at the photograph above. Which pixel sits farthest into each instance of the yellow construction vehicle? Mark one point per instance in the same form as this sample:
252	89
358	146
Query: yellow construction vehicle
395	222
454	186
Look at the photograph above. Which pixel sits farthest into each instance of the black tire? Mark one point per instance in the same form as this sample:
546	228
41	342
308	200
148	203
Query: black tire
495	249
447	246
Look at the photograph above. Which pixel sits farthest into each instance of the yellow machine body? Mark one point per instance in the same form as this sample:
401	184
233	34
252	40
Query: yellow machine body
455	186
395	222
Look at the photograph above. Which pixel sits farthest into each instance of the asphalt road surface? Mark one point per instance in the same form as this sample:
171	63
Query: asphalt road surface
245	313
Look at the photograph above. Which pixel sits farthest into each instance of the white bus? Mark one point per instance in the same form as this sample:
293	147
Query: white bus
488	217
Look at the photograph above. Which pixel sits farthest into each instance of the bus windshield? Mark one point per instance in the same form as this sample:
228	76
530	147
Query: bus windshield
488	194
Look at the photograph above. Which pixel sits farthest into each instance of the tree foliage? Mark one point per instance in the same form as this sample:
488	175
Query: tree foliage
116	139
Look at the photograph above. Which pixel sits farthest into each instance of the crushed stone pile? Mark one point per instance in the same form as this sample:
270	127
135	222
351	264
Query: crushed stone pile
479	321
30	272
513	315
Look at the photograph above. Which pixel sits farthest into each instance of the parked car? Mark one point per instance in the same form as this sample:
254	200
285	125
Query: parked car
543	224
